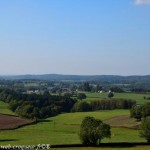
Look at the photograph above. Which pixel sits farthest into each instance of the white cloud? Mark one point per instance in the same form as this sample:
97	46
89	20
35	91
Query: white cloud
142	2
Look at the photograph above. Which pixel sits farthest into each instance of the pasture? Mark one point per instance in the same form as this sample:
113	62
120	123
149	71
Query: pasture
139	97
64	128
4	109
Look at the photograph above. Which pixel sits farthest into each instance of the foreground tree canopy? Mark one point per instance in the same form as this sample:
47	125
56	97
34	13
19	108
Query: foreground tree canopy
92	131
145	126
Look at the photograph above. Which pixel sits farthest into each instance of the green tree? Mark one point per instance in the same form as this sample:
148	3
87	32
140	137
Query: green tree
92	131
136	112
81	106
110	94
146	110
81	96
13	105
145	126
68	94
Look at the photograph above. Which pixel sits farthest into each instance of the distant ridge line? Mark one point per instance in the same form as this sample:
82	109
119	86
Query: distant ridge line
77	77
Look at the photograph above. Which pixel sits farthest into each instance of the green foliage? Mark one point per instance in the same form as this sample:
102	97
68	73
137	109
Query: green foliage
34	106
68	94
93	131
145	126
103	105
136	112
86	87
81	106
81	96
116	89
146	110
13	105
110	94
139	111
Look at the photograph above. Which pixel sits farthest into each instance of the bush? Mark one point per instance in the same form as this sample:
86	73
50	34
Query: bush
110	94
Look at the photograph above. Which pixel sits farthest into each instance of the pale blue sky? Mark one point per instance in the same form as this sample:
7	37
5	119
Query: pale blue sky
87	37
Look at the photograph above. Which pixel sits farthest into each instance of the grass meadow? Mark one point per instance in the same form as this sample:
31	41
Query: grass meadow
64	128
139	97
4	109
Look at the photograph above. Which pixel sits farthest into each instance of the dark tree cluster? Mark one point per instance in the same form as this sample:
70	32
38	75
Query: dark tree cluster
139	90
85	87
116	89
34	106
83	106
81	96
140	111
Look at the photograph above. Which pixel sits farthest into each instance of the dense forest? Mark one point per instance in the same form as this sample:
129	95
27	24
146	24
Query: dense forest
36	106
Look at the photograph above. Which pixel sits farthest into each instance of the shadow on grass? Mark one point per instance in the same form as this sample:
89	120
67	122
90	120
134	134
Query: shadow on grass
105	145
44	120
8	140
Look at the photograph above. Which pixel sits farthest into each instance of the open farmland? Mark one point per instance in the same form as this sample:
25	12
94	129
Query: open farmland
139	97
12	122
64	128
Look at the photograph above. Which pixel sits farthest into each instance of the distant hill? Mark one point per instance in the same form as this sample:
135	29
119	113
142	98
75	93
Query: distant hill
58	77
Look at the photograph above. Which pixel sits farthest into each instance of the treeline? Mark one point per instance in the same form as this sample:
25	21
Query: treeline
83	106
36	106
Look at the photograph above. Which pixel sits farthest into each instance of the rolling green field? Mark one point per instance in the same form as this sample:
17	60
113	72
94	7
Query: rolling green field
135	96
64	128
4	109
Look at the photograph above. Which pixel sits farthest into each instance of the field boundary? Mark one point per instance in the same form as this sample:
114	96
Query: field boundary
30	122
121	144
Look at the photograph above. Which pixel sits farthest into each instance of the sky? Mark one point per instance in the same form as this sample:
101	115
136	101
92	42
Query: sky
81	37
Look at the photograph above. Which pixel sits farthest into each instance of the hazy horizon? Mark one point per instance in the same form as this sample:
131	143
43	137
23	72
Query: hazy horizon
74	37
73	74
